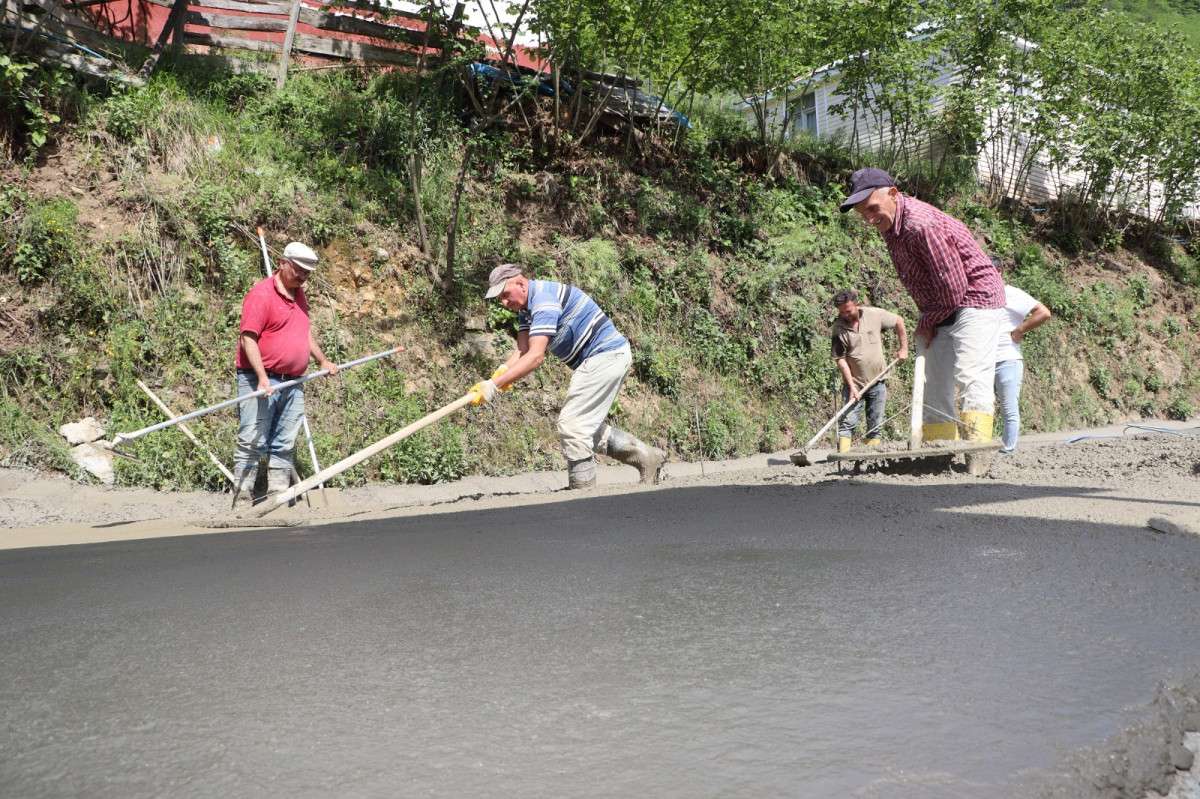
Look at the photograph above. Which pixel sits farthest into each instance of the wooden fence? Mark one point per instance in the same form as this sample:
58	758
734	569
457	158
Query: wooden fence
266	35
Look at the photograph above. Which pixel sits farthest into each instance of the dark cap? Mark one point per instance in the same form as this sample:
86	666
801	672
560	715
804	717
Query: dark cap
862	183
499	276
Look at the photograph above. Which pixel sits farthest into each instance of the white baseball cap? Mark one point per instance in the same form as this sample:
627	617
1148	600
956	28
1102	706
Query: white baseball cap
301	255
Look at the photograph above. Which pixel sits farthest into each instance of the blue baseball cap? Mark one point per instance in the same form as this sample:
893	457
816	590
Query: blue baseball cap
862	183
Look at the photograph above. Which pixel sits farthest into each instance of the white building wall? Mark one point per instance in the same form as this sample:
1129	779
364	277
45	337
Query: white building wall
998	162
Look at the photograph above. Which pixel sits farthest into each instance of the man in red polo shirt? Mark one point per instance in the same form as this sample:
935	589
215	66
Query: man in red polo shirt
275	344
959	293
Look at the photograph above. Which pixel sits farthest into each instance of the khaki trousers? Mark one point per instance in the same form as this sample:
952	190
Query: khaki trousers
594	386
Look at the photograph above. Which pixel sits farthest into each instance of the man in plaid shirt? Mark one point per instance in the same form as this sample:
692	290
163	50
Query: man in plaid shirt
960	295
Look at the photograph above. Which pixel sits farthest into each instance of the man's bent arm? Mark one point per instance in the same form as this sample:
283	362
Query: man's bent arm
844	367
522	348
529	356
902	334
1036	318
254	356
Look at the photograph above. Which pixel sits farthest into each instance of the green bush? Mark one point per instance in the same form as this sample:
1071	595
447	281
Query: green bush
1040	279
725	431
26	441
1101	379
1180	408
132	111
660	366
43	241
1139	289
595	266
427	458
33	101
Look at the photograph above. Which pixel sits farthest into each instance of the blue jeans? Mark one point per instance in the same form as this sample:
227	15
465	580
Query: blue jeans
1009	375
876	398
268	425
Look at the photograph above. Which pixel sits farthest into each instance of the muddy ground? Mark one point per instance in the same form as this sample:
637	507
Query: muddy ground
40	509
1116	481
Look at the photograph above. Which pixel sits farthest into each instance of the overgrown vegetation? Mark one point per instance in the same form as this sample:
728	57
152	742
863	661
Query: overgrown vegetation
1181	14
127	257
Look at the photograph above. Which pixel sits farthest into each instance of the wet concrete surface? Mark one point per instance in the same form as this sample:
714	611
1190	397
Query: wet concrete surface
737	641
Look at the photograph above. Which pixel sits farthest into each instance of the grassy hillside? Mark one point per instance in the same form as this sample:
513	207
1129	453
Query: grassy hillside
1181	14
124	254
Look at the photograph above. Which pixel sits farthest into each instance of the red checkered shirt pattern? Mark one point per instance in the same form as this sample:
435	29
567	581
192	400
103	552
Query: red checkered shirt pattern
940	263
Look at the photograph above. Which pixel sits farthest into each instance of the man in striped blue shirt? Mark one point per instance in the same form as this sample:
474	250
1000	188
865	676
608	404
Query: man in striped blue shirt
567	322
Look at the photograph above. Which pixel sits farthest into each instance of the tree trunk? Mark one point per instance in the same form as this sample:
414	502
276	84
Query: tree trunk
447	281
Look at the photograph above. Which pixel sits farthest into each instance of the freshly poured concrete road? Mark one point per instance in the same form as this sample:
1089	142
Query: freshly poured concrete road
741	641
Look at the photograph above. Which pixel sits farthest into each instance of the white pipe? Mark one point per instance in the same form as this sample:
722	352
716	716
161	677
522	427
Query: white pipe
917	420
123	438
266	258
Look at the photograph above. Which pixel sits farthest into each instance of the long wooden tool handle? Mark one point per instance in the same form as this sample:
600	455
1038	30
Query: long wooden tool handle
329	472
187	431
846	407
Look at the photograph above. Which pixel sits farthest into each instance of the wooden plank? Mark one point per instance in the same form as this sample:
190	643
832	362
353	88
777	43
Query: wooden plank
276	9
377	8
346	23
354	51
231	42
280	9
171	26
288	38
318	19
313	45
917	418
283	9
231	22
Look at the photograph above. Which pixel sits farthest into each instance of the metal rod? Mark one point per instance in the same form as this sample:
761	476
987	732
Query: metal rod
266	258
187	431
312	450
123	438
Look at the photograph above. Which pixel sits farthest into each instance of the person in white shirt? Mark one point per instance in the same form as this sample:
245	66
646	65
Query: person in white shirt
1022	313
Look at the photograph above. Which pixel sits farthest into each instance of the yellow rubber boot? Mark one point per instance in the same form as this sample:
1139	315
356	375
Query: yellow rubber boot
843	443
978	425
872	443
940	431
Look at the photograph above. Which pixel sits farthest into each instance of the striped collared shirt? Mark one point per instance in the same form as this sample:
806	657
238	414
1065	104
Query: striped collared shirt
940	263
576	326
